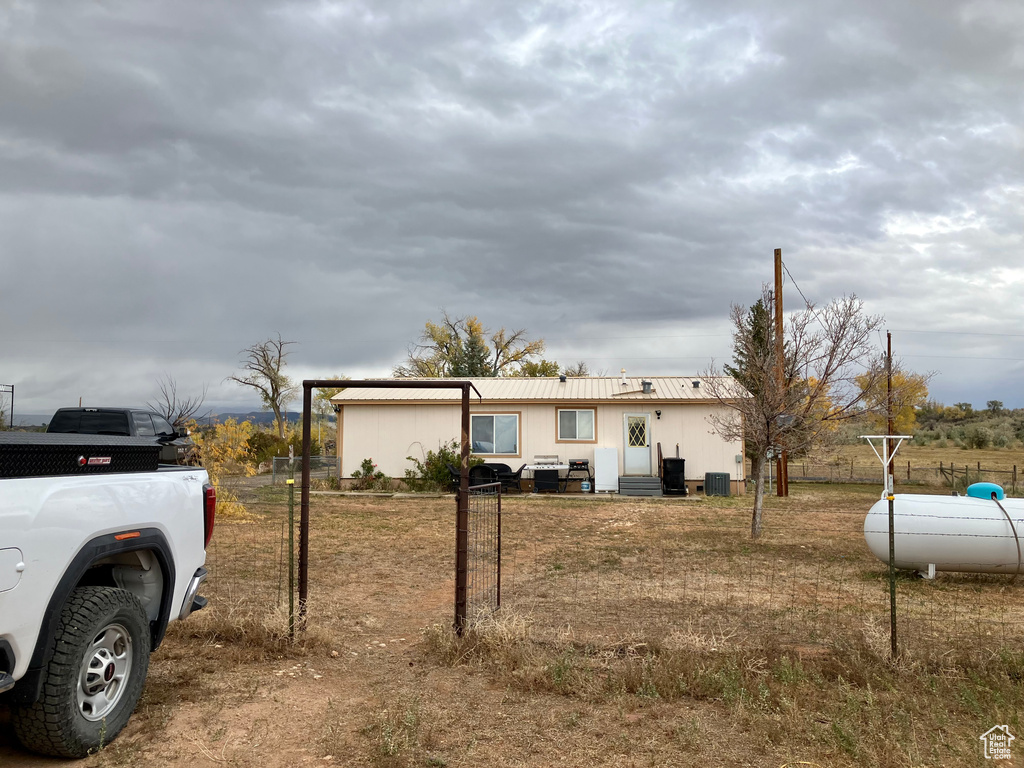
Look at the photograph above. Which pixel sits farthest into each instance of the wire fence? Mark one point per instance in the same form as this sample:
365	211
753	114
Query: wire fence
951	475
247	563
614	571
483	575
320	468
643	572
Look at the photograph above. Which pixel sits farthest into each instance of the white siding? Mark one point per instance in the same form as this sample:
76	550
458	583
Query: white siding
388	433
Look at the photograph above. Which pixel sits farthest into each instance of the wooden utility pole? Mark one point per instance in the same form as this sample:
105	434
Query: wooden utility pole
782	462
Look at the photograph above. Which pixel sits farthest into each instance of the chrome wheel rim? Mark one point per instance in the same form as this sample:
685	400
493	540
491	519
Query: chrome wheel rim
106	665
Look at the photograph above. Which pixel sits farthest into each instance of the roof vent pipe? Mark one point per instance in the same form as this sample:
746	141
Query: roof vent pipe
647	387
696	384
624	382
561	377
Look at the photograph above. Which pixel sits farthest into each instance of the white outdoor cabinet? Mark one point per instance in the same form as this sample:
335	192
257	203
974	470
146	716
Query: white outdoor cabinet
606	470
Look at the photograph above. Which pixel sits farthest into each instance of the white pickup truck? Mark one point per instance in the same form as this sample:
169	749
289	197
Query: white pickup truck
99	549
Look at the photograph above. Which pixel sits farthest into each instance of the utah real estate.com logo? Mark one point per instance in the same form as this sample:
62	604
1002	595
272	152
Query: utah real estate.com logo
997	742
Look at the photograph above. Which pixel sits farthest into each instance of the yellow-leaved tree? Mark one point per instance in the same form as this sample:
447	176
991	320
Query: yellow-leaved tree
460	347
222	450
909	392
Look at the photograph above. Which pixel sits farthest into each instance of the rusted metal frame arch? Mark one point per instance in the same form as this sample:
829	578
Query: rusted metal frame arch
461	499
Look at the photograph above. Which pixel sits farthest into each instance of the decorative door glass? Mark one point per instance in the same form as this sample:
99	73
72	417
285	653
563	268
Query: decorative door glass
637	432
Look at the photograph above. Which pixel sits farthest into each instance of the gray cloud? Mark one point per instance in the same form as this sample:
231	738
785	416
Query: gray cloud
612	176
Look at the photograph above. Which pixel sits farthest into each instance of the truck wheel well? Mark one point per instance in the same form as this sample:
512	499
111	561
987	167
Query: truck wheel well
137	571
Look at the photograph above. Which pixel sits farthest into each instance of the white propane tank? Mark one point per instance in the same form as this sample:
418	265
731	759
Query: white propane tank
970	534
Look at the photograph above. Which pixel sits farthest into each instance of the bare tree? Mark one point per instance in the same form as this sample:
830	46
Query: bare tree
828	358
578	369
262	366
175	409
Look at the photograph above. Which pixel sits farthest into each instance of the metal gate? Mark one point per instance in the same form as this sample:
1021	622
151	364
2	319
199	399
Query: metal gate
483	563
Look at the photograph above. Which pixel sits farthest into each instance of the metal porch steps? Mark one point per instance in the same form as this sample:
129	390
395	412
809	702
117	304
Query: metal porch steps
639	486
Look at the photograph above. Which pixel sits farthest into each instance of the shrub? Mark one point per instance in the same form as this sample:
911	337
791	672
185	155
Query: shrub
221	450
978	437
369	478
264	445
432	473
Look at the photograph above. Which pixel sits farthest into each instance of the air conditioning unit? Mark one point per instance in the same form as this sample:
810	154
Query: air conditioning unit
716	484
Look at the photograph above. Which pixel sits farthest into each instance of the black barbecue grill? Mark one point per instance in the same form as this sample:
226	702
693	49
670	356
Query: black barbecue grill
581	466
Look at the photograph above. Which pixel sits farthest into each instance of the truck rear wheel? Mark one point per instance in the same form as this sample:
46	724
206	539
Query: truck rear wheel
95	678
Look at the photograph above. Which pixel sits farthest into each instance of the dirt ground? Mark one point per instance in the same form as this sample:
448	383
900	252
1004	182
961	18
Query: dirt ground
367	687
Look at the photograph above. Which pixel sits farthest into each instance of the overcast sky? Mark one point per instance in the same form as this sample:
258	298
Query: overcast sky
181	180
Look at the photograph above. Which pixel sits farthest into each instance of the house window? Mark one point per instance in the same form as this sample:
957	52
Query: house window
576	424
496	433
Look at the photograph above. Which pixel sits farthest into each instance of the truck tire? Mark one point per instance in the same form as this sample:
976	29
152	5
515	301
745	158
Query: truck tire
94	680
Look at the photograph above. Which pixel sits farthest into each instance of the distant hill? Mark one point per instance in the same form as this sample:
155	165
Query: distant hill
262	418
31	419
256	417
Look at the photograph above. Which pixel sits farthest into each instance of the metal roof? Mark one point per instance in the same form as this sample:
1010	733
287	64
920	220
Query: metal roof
547	389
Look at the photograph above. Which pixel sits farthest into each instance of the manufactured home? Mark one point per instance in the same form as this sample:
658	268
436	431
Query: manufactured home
617	426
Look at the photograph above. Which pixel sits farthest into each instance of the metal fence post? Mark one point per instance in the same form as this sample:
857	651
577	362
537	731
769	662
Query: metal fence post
498	587
892	575
462	523
291	544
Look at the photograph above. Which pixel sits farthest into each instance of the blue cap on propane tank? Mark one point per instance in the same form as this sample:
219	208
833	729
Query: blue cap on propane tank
986	491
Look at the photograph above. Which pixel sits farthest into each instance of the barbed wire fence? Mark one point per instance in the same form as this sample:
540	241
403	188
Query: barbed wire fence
955	476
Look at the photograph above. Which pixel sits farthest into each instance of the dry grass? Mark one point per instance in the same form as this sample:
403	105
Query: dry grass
633	632
931	455
663	615
845	702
